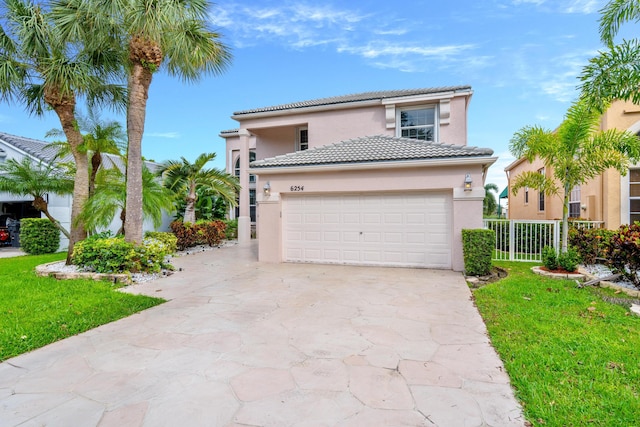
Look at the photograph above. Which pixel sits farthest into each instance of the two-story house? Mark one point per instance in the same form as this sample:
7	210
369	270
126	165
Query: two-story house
611	197
376	178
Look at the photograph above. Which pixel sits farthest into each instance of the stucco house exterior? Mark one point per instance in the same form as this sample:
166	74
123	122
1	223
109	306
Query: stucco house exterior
377	178
611	198
18	207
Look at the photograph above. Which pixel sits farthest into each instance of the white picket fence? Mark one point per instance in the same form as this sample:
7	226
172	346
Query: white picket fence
523	240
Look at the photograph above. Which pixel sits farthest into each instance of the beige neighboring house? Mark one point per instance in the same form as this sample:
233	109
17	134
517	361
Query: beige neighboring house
375	178
611	197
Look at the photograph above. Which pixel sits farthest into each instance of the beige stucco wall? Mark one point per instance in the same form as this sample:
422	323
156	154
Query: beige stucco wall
467	205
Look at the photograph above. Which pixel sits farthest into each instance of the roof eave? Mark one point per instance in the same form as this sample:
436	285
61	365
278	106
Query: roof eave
394	164
310	109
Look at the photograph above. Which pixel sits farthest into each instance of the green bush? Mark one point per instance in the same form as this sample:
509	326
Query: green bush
549	258
115	255
623	252
39	236
167	238
477	246
591	243
201	233
231	232
569	260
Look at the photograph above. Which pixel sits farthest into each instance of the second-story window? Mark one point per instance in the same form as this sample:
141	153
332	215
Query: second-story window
303	139
541	194
252	157
418	123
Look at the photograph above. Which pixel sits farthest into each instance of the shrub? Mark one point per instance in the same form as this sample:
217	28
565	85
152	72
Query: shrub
167	238
623	252
549	258
200	233
477	246
569	260
115	255
591	244
231	232
39	236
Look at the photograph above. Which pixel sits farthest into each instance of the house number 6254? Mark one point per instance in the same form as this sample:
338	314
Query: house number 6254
297	188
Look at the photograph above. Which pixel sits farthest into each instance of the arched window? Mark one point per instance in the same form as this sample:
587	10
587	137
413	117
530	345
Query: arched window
236	169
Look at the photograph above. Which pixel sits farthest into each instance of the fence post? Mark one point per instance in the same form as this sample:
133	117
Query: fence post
556	236
512	242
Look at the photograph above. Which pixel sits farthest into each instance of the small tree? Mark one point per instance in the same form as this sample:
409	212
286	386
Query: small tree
576	152
490	206
187	180
35	179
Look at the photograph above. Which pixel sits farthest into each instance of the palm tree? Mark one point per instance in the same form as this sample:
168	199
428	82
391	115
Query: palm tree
577	151
150	34
41	70
614	74
37	180
100	137
110	197
186	180
490	204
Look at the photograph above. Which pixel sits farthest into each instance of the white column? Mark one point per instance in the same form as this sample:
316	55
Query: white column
244	220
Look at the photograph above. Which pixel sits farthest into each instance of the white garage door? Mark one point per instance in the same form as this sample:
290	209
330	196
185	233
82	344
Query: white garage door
408	230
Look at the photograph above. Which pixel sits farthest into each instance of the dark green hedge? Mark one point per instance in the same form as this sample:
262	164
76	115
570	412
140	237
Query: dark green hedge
477	247
39	236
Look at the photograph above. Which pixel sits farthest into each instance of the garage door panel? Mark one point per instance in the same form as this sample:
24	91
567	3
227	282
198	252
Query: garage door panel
390	229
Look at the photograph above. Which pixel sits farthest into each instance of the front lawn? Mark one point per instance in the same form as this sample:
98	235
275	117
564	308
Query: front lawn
36	311
573	359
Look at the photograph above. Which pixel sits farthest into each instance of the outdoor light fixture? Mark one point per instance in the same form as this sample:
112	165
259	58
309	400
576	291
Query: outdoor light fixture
267	189
467	182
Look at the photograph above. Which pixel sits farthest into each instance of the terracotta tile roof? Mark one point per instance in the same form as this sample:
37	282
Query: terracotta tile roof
378	148
366	96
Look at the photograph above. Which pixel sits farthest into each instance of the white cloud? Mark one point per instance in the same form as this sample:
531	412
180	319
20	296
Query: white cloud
170	135
584	6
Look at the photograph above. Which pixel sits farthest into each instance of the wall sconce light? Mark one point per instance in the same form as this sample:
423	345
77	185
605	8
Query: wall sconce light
467	182
267	189
583	207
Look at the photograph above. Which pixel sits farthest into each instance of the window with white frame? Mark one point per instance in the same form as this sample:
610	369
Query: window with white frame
574	202
236	169
526	195
418	123
541	194
634	195
302	142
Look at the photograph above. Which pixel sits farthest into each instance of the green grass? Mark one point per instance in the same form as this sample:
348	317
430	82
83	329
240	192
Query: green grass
573	359
36	311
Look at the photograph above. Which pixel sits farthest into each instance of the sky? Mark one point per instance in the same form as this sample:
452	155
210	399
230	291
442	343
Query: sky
522	59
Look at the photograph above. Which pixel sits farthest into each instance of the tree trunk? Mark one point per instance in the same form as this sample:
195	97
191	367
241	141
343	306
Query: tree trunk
190	208
96	162
565	220
64	106
41	205
139	82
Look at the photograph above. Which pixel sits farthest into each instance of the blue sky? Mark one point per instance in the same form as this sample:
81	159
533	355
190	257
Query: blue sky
521	57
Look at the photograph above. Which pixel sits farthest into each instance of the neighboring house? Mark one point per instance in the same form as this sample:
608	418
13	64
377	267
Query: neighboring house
611	198
375	178
18	207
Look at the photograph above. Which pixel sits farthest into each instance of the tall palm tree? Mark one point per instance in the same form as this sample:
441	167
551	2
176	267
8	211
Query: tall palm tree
99	137
37	180
490	205
614	73
41	70
110	197
577	151
187	179
151	34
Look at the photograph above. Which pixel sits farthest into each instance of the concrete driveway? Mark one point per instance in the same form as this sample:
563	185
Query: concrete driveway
242	343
